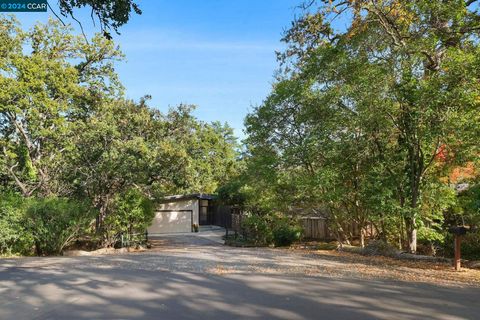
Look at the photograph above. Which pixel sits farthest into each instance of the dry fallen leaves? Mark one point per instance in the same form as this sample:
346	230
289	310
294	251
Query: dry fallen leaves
331	263
439	273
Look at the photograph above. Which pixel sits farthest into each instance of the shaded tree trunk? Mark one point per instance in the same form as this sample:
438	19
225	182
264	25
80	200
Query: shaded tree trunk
411	235
362	237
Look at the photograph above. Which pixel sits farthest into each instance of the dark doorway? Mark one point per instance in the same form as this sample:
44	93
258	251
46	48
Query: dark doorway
205	212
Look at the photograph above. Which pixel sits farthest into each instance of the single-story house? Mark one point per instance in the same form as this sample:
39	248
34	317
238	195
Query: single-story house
180	212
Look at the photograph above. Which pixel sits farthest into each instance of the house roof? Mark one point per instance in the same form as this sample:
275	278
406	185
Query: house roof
178	197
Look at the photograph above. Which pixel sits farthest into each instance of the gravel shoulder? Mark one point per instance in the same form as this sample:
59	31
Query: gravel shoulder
201	255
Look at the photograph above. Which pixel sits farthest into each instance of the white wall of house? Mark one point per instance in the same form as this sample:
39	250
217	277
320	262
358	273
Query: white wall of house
169	217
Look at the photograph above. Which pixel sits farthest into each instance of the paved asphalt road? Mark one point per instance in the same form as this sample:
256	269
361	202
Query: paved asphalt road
193	278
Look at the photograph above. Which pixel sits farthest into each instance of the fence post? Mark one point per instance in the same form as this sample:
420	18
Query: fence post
146	236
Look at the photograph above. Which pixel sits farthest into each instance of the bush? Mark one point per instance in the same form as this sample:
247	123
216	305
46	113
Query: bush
56	222
285	232
132	213
470	248
257	229
429	240
15	238
263	230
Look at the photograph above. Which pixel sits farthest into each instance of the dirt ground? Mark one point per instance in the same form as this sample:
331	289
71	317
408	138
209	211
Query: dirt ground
371	267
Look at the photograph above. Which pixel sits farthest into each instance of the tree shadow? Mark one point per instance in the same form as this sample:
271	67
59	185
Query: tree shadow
149	286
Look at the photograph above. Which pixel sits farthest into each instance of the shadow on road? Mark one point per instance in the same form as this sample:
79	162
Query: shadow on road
142	287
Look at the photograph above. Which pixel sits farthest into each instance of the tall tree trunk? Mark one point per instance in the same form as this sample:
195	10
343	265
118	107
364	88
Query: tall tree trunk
410	222
383	231
411	235
102	203
401	243
362	237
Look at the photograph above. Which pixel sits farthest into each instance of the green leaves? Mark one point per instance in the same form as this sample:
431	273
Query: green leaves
132	212
356	120
41	90
55	223
15	237
110	13
67	131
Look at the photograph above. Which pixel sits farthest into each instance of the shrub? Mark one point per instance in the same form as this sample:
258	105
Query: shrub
15	238
270	229
257	229
285	232
470	247
430	235
132	213
56	222
429	240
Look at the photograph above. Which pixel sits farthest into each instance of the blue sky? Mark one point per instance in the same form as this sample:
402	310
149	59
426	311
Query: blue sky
216	54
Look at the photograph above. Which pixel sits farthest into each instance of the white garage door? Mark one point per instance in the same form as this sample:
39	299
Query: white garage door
171	221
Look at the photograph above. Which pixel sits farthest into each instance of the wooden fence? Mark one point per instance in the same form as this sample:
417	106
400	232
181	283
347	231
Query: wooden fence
317	228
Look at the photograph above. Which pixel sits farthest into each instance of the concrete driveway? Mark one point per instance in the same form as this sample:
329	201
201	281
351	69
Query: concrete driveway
193	277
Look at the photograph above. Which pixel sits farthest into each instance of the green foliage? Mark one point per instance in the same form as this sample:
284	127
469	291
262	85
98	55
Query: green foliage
437	198
201	155
364	122
110	13
231	193
156	153
56	222
262	230
468	208
285	232
67	131
45	225
470	246
430	235
466	211
257	229
15	237
132	212
48	77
